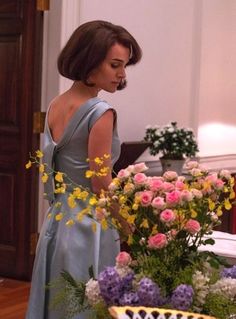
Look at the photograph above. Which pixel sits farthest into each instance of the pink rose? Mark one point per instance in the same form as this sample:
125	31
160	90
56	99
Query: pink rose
140	167
123	174
225	174
196	193
195	172
170	176
192	226
179	185
192	164
146	198
212	178
167	216
123	259
219	184
186	195
168	187
155	183
157	241
158	202
140	178
173	198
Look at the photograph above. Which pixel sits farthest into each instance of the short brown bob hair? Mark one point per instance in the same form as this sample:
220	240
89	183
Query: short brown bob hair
88	46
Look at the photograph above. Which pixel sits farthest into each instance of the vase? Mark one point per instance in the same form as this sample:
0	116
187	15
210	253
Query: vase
172	165
153	313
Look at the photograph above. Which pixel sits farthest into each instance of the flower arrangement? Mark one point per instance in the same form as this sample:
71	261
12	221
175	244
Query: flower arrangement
163	267
171	141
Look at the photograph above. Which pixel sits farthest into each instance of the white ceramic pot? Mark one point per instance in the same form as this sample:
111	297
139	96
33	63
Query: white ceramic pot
172	165
153	313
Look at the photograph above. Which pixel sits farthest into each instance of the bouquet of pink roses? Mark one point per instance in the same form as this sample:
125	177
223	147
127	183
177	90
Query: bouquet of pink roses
163	267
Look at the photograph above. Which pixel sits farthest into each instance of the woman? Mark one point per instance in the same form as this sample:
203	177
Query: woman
80	125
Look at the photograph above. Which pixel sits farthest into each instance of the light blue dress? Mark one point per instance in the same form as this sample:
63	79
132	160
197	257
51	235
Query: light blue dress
74	248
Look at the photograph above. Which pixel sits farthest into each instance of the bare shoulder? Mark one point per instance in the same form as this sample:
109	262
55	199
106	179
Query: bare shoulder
56	107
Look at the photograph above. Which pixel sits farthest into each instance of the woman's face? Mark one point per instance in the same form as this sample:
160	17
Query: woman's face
111	71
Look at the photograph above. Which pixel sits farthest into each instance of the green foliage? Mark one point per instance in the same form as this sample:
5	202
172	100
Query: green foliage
219	306
171	141
100	311
68	295
167	275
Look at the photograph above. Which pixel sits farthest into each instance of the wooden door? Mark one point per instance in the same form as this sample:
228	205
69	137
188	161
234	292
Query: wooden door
20	78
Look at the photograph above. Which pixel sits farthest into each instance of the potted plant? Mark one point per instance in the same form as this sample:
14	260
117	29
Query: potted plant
175	144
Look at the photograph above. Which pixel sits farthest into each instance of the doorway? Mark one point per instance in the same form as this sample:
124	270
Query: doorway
21	30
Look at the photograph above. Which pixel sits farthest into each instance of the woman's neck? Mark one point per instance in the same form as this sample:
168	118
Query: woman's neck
84	91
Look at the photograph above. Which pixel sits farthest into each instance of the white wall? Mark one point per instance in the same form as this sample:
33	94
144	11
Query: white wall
159	88
217	94
187	71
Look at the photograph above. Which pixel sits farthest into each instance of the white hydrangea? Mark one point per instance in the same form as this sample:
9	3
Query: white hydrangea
226	287
201	288
92	292
123	271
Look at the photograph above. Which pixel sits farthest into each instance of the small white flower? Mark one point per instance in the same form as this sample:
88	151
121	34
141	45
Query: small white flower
123	271
92	292
201	288
226	287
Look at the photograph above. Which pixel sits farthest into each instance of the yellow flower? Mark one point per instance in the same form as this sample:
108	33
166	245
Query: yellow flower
131	219
60	190
76	192
59	177
70	223
84	195
135	206
116	181
219	211
104	224
28	165
232	195
98	161
59	217
39	154
211	205
89	174
49	215
144	224
82	213
130	240
106	156
115	223
71	201
80	217
58	204
94	227
227	204
44	178
122	199
93	201
41	168
154	230
193	213
104	171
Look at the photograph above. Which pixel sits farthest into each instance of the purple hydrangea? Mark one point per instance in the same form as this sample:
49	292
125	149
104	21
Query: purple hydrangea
127	282
149	293
229	272
110	285
129	299
182	297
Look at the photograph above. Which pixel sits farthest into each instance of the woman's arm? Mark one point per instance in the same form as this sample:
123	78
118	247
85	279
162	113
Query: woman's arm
100	141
